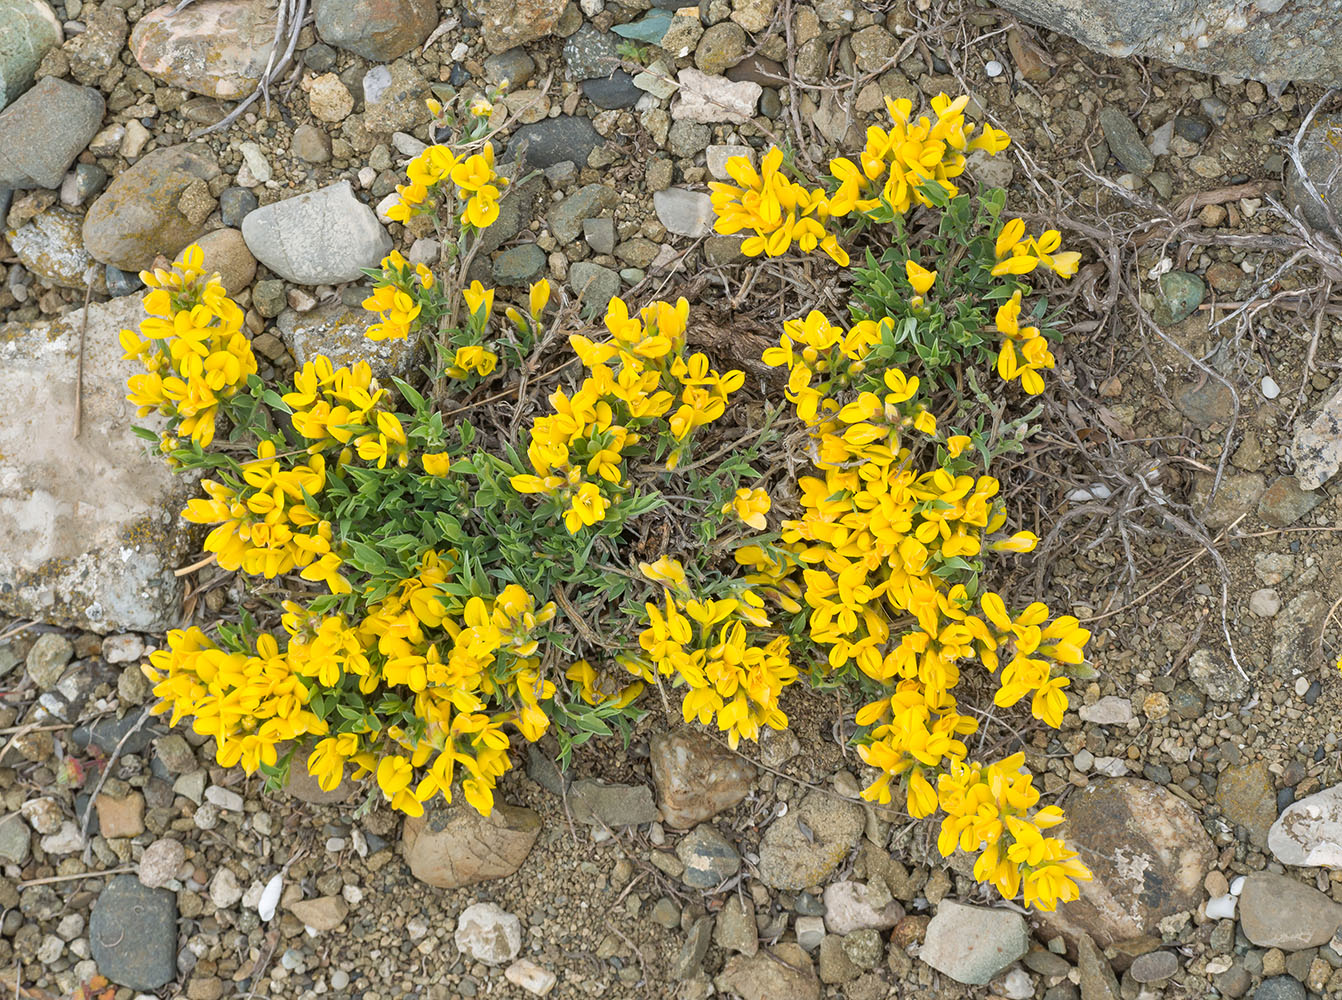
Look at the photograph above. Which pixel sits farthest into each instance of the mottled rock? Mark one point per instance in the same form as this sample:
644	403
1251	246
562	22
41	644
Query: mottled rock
613	805
1295	634
90	536
399	106
1308	833
1321	156
1215	677
708	857
159	863
226	253
1097	977
43	131
1147	851
685	213
340	333
453	845
696	779
1180	295
219	48
133	933
689	961
325	913
1154	966
1276	42
555	140
1284	502
505	25
323	237
792	859
972	944
28	31
783	971
489	934
94	52
1245	795
52	247
736	930
707	99
519	265
1316	448
151	209
378	30
1277	911
855	906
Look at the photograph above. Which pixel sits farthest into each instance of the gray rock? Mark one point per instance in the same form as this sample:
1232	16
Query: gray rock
52	247
1125	142
1296	633
28	31
588	202
599	234
689	961
721	45
611	805
320	238
47	659
159	863
1308	833
153	208
615	91
1316	448
86	180
685	213
133	933
1111	710
452	845
1096	975
793	859
1277	42
855	906
708	858
833	963
94	52
107	734
489	934
15	839
219	49
1216	677
596	285
864	948
685	140
399	107
554	140
234	205
1284	502
1147	851
590	54
1277	911
1280	988
515	66
1321	156
67	555
972	944
695	778
519	265
706	98
736	929
1154	966
783	971
378	30
340	333
43	131
505	25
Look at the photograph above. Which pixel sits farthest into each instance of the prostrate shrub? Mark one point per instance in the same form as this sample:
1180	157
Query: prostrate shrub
465	588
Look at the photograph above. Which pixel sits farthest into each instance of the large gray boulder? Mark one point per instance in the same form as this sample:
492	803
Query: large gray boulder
91	532
1273	40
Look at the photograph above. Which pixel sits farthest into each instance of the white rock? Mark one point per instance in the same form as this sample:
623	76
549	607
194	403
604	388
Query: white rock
1270	388
326	236
255	160
122	648
993	68
407	144
375	83
718	155
159	863
384	206
1308	833
855	906
489	934
1222	907
270	897
1108	711
656	80
66	840
224	888
134	140
810	932
1111	767
1017	985
685	213
43	814
709	99
224	798
1317	446
530	976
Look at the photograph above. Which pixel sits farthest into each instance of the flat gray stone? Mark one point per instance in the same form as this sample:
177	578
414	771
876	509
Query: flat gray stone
685	213
91	533
133	932
324	237
378	30
28	31
554	140
791	858
972	944
611	805
1278	911
596	285
44	130
588	202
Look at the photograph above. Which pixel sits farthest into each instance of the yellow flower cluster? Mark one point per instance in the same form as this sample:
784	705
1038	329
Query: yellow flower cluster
1024	350
192	347
344	408
988	809
777	210
577	453
706	644
248	704
477	185
397	298
264	526
898	161
1019	253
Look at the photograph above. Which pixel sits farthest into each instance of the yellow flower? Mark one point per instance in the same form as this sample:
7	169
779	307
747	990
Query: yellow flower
919	277
750	506
482	108
539	296
666	571
437	463
479	300
588	507
957	443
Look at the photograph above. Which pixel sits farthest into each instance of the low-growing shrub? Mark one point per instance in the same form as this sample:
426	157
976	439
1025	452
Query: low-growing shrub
468	586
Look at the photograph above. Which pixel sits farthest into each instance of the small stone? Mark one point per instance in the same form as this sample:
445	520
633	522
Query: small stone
1277	911
1280	988
599	234
454	846
377	30
695	779
325	913
1154	966
159	863
1217	679
721	45
810	932
227	255
15	839
688	963
707	98
972	944
224	798
1125	142
1180	295
514	65
489	934
43	131
133	934
590	54
594	284
685	213
736	930
1093	969
1316	448
612	805
1308	833
1110	710
219	49
531	977
833	963
853	906
47	659
224	888
791	858
28	31
328	97
589	202
1284	502
519	265
708	857
555	140
783	972
120	817
1265	603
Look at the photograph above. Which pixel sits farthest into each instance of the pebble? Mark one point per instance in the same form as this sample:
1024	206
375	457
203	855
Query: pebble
1125	142
708	99
973	944
224	798
1265	602
28	31
325	237
708	857
1280	988
1154	966
15	840
1308	833
159	863
1277	911
1316	448
489	934
133	933
224	888
685	213
376	30
533	978
47	659
694	777
993	68
219	49
1110	710
325	913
